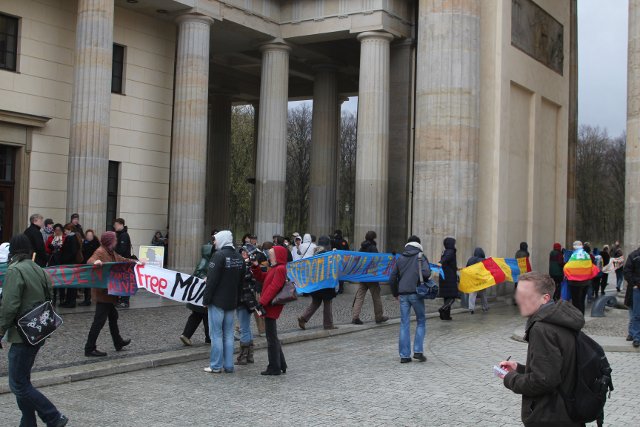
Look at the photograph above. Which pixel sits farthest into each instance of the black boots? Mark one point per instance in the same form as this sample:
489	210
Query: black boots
445	313
246	354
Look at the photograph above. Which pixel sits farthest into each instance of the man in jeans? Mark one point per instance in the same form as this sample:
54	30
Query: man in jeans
221	296
26	285
404	281
632	296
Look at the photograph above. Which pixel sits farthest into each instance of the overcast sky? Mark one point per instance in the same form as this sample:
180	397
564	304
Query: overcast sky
602	62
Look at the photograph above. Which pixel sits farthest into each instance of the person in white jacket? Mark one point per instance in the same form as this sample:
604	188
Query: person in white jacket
306	250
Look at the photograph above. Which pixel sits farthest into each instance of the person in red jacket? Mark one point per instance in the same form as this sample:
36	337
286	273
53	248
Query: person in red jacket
273	281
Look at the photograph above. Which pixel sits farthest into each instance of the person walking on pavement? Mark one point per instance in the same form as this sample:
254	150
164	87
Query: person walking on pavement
273	282
320	297
579	285
26	285
221	296
369	245
551	369
478	256
339	243
123	248
405	278
199	313
632	296
36	222
556	263
604	278
448	284
105	303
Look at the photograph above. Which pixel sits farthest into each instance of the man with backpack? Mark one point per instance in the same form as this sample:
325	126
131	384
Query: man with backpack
632	296
553	389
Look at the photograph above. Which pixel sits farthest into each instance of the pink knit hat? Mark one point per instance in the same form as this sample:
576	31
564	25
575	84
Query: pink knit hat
108	240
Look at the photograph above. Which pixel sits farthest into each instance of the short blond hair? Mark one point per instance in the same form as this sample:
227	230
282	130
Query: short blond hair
543	283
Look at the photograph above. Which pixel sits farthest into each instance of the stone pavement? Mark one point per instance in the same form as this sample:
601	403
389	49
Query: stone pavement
154	324
352	379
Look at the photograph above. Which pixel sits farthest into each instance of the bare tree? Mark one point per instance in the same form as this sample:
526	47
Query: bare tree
600	185
242	168
347	173
298	168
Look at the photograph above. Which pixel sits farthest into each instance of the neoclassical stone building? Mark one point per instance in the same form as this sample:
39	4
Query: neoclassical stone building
466	113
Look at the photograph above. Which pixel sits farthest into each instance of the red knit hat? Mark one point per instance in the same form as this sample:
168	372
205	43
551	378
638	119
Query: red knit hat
108	240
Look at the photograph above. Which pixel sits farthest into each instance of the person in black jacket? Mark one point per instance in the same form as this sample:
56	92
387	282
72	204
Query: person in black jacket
221	296
404	281
478	256
339	243
75	220
448	285
123	248
632	296
70	254
34	235
321	296
89	246
369	245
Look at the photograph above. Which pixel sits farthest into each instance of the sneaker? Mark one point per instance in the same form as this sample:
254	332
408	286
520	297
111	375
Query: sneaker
382	319
419	357
186	341
62	421
405	360
636	343
357	322
208	370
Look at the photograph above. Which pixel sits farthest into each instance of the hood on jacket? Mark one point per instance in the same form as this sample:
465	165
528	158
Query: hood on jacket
306	238
479	253
281	254
557	247
108	240
125	229
524	246
223	238
561	313
367	244
324	242
412	248
449	243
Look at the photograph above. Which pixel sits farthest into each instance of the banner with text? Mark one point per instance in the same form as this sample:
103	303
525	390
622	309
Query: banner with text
170	284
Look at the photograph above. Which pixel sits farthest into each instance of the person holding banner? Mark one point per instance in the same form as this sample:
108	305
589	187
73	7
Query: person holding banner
221	296
478	256
321	296
369	245
448	284
404	281
273	282
105	303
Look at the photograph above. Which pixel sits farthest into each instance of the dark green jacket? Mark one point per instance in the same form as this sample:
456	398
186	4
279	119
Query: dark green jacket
551	365
22	290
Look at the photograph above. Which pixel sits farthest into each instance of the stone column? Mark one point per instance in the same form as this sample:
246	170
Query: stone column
400	120
632	166
373	137
573	127
256	109
271	168
90	114
189	145
217	208
447	125
324	152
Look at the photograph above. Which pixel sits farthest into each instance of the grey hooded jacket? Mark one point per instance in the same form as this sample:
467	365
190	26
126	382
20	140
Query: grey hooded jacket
405	276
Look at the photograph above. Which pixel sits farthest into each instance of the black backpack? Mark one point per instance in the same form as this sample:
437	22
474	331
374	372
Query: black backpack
593	382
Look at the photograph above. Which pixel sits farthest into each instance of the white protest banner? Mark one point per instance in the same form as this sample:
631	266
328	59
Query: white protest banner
152	255
170	284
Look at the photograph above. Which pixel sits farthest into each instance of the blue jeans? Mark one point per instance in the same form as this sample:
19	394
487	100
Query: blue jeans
221	330
406	303
634	316
244	317
30	400
619	278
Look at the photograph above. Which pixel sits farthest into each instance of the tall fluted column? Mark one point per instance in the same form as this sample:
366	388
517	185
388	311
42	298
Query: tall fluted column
189	145
217	208
373	137
573	126
90	114
447	124
271	168
324	152
632	167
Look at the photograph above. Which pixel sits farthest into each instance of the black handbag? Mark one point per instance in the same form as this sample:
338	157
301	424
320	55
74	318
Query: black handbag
40	322
428	289
287	294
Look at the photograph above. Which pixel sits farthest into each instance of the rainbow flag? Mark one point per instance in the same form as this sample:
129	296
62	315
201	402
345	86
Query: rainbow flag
484	274
580	268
